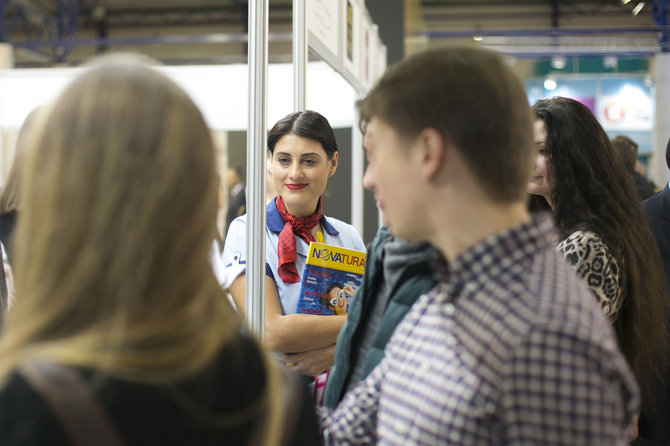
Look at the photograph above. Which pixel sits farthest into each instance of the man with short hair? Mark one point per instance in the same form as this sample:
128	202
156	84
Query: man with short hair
237	204
510	347
627	149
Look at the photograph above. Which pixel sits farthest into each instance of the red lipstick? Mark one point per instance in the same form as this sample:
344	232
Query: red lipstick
296	186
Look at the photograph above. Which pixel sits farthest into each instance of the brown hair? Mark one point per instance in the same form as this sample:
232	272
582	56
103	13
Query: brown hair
627	149
474	100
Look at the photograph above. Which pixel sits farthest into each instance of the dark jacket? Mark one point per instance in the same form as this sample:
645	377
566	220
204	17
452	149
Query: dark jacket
197	411
237	206
657	211
656	427
643	187
415	280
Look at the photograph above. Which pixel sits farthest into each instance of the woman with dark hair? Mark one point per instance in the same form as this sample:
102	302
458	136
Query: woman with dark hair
602	231
304	156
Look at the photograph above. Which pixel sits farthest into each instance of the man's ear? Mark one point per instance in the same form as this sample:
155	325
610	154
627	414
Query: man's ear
432	152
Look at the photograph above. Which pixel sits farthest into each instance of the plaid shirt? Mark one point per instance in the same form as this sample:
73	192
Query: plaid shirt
510	348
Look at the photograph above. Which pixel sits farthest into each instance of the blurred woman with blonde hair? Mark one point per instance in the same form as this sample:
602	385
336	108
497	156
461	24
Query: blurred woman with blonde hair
10	194
117	298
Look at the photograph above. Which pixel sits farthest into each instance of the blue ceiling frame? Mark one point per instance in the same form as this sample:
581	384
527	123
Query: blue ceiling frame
24	24
659	13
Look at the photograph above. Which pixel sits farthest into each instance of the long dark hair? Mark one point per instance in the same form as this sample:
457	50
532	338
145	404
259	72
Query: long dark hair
593	192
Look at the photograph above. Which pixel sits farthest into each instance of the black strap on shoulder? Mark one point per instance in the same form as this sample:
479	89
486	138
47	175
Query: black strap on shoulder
291	406
73	403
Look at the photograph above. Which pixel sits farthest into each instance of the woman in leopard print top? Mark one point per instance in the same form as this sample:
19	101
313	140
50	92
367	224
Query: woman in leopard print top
594	263
602	231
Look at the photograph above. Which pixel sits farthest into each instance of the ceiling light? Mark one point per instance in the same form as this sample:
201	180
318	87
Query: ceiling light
558	62
638	8
623	2
610	62
550	84
477	38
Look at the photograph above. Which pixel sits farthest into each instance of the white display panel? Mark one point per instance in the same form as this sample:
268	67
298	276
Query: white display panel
220	92
351	40
381	61
22	90
323	29
368	43
625	105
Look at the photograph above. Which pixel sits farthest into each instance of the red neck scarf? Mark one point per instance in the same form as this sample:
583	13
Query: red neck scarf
300	226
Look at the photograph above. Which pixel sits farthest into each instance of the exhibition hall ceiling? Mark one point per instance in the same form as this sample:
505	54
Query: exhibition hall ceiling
214	31
531	28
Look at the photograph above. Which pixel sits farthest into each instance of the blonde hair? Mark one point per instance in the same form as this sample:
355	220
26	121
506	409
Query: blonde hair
118	212
10	194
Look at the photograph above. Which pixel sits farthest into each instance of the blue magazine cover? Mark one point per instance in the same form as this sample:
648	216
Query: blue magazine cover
332	276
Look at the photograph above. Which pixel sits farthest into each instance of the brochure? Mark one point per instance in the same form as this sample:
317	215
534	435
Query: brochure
331	277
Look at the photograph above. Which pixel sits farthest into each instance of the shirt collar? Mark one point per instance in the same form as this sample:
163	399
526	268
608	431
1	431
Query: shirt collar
276	223
498	253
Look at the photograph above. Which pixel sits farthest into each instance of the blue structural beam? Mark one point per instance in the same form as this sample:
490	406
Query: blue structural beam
58	29
659	13
545	32
173	39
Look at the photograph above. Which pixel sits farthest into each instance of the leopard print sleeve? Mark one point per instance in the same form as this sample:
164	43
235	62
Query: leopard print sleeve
590	257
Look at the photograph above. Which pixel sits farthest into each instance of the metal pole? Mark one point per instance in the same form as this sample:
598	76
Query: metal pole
357	171
299	54
256	154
